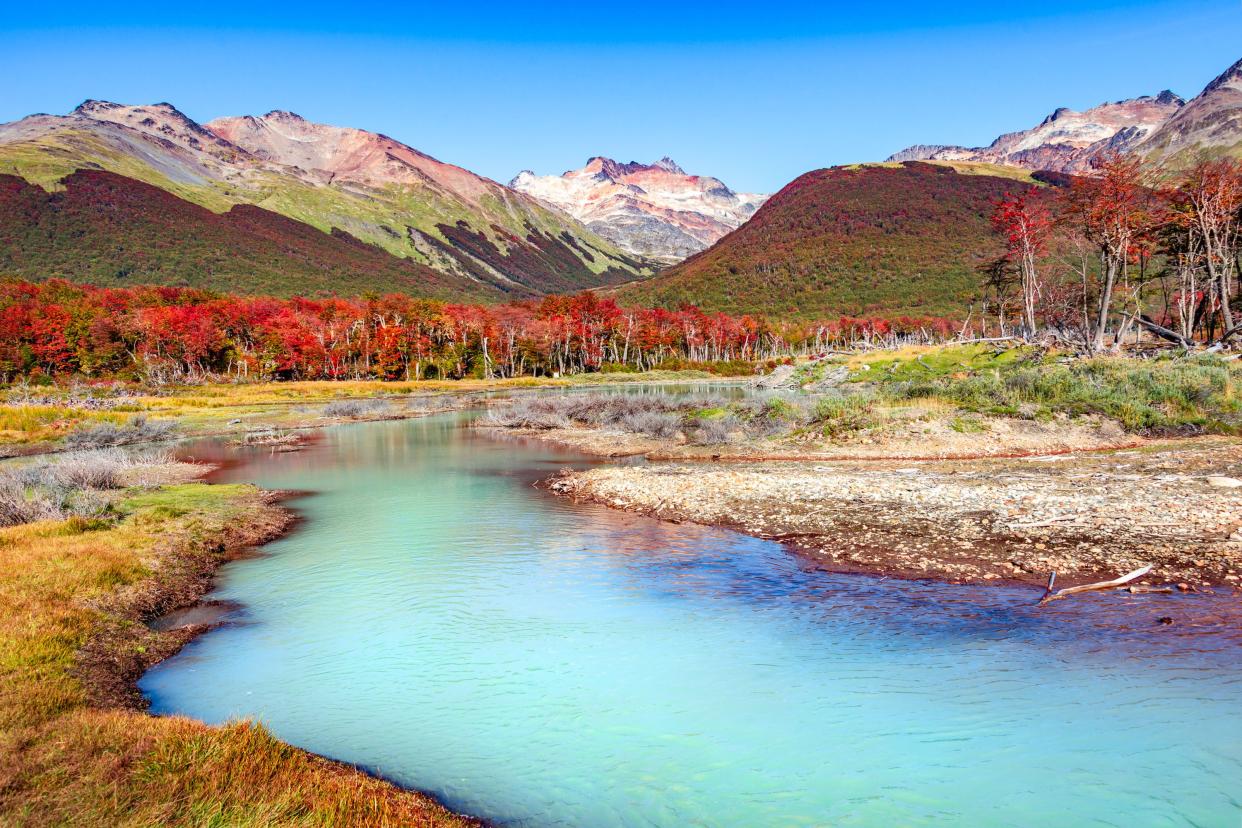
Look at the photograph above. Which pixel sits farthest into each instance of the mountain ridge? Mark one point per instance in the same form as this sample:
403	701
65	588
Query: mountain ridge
1163	128
654	211
368	185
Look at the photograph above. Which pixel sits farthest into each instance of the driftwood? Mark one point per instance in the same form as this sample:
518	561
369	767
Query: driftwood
1049	595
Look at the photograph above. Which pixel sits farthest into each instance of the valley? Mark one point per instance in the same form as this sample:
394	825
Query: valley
342	485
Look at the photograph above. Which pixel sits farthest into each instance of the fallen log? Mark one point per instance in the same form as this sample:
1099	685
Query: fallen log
1161	331
1049	595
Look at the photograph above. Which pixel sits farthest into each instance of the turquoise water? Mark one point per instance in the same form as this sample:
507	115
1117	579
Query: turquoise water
439	620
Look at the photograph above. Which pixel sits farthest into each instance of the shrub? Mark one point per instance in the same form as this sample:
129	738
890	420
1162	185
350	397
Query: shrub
20	505
715	431
70	486
537	413
356	408
652	424
845	414
138	430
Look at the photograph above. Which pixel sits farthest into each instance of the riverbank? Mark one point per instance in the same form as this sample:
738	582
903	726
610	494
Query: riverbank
76	747
1087	516
52	418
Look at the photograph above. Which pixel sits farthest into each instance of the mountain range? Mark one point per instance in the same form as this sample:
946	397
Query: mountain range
654	211
478	234
1163	128
119	195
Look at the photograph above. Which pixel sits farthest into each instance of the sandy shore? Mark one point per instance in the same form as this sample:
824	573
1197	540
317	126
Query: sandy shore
1088	516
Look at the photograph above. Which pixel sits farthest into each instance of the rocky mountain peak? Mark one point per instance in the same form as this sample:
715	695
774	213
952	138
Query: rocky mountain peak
669	165
655	210
285	115
1230	77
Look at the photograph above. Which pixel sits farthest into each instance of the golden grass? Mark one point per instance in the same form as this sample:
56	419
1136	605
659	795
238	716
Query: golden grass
68	588
209	407
37	423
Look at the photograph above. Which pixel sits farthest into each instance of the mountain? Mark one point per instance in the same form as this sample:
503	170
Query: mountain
653	211
1210	124
1164	129
107	229
371	187
903	239
1065	141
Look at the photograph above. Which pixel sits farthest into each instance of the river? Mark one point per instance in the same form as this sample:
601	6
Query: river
439	620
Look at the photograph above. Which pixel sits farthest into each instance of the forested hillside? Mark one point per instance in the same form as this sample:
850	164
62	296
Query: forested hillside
859	241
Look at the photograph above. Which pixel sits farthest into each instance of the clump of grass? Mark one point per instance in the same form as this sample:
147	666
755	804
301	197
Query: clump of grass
653	424
968	425
839	415
356	408
138	430
69	486
652	414
715	431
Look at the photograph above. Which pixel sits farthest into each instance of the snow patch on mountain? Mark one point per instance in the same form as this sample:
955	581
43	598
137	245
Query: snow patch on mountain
656	211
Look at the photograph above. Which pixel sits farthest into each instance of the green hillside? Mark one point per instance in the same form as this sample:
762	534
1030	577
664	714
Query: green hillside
110	230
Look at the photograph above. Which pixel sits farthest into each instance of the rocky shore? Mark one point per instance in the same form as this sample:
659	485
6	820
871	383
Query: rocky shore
1087	516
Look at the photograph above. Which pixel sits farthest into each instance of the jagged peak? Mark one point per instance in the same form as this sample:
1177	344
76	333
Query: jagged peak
669	165
1233	73
285	115
1057	114
1169	97
92	105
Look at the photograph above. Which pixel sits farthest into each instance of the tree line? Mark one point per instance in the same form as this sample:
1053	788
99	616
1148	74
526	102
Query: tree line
163	334
1130	248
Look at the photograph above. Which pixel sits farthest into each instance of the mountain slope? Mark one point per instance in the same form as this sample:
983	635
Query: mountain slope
371	186
1065	141
110	230
1211	124
872	240
653	211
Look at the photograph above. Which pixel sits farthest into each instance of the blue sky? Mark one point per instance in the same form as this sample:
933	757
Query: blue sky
753	93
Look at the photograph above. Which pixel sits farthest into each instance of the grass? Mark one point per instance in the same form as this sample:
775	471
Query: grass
963	385
211	407
71	589
22	423
1161	396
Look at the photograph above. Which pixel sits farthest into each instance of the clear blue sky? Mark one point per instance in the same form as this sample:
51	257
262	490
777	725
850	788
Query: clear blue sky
755	93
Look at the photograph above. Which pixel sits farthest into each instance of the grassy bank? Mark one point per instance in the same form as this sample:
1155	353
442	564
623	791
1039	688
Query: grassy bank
55	416
1165	395
74	750
957	401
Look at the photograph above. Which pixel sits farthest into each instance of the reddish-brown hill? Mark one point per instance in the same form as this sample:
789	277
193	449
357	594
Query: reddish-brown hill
851	241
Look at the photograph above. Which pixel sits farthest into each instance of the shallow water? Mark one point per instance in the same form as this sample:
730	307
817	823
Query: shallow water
441	621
